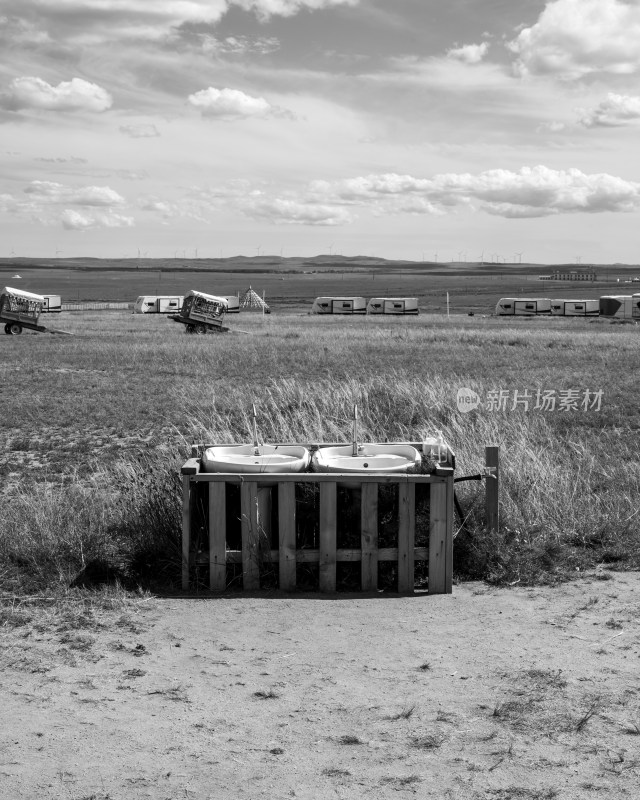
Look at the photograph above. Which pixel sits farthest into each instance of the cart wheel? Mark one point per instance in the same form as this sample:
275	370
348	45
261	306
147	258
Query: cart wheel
190	329
15	329
201	329
7	328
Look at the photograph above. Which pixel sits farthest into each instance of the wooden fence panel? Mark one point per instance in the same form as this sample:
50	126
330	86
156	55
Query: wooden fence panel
328	502
406	535
287	536
369	537
217	537
250	536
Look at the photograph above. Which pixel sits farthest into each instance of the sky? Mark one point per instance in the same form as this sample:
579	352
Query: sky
501	130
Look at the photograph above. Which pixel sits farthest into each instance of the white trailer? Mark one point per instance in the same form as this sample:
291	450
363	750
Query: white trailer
157	304
339	305
621	306
393	305
52	303
575	308
523	306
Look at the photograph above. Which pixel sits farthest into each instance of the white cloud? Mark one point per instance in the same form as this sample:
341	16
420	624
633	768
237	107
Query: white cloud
575	38
530	192
74	95
615	110
287	8
78	221
143	130
281	211
58	193
231	104
469	53
91	21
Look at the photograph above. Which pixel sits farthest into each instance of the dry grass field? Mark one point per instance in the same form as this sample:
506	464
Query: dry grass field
522	684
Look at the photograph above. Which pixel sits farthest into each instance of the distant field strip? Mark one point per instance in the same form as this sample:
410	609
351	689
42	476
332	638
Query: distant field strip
94	306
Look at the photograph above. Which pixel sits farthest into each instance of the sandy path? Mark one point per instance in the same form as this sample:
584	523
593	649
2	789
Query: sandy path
523	693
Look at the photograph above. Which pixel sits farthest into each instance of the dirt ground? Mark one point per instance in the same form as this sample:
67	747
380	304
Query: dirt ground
485	693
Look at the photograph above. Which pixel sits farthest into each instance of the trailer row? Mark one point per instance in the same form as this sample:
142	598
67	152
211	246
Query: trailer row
612	306
359	305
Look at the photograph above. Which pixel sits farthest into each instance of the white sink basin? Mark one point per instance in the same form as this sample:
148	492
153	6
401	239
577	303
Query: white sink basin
245	458
370	458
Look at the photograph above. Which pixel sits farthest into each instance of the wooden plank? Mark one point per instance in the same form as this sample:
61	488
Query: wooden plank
328	504
369	537
319	477
438	546
217	537
313	556
186	530
250	536
492	485
191	467
448	580
406	535
287	536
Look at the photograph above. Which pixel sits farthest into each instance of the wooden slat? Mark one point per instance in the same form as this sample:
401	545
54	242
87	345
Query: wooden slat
186	530
191	467
217	537
328	495
369	537
313	556
406	535
250	536
319	477
286	536
438	539
448	581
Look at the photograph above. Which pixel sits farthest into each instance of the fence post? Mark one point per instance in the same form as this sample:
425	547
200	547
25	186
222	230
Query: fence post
492	485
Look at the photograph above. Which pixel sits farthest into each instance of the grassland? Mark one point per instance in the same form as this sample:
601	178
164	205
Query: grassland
96	425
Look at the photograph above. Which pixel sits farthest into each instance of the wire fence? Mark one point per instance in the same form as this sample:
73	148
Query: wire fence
94	306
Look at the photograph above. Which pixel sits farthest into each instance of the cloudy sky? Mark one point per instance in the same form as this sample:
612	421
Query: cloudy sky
399	128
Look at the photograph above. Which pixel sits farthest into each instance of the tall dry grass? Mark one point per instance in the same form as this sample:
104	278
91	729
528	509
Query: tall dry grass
569	482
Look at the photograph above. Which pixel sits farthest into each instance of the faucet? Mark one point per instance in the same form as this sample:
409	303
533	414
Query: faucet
256	448
354	451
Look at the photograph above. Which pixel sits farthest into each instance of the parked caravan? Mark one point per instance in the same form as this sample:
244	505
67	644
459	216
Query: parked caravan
523	306
234	303
339	305
575	308
20	310
393	305
157	304
52	303
621	306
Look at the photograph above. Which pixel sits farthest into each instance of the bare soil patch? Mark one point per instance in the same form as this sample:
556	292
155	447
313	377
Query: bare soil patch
487	693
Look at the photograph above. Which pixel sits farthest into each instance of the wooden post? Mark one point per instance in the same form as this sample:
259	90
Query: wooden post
406	535
439	516
217	537
369	537
328	500
250	536
287	536
492	485
186	530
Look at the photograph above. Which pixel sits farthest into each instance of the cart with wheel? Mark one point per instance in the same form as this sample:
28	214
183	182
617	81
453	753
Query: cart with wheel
202	313
20	310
